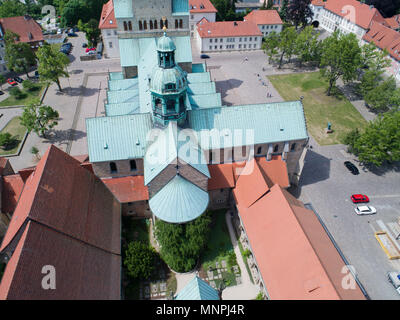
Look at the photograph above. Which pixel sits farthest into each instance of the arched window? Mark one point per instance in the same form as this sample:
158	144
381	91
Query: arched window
125	26
170	105
276	148
155	24
166	23
133	165
181	104
181	23
113	167
151	24
176	24
145	25
158	103
293	147
210	157
140	25
130	25
259	150
161	24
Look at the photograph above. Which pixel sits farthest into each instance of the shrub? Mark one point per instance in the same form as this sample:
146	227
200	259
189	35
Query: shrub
182	244
7	140
246	253
139	260
232	259
17	93
29	85
260	296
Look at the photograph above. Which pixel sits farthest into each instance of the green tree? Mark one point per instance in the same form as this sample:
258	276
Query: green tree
271	45
2	81
182	244
307	45
52	65
299	12
382	96
19	55
73	11
140	260
17	93
7	140
12	8
380	142
287	43
92	32
39	118
283	10
341	57
29	85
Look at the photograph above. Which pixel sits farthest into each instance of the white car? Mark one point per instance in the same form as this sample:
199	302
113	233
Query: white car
361	210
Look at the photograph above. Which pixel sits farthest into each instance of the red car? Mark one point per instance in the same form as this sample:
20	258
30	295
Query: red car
90	49
357	198
11	82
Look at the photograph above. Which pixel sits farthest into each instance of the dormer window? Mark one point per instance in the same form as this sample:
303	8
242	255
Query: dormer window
170	87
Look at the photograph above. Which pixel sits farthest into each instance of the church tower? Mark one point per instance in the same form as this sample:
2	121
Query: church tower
168	86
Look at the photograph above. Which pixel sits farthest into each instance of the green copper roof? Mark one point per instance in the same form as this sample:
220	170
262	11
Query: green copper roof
131	50
116	76
165	44
197	289
173	143
125	84
180	7
198	67
120	109
123	96
205	100
117	138
274	122
161	77
123	9
179	201
201	88
199	77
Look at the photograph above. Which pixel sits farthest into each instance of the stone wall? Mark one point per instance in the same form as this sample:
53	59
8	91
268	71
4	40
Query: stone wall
102	169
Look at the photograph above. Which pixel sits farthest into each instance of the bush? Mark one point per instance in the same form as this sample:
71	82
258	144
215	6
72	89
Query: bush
7	141
17	93
260	296
246	253
232	259
182	244
139	260
29	85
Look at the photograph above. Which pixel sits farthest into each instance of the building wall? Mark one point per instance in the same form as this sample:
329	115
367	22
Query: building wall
230	43
103	170
110	42
219	199
139	209
194	18
3	64
130	72
268	28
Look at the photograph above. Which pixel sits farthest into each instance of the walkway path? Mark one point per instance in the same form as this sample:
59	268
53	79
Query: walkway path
246	290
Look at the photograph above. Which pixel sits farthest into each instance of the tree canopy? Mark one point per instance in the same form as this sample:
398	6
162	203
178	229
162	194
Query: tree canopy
139	260
52	64
299	12
39	118
379	143
182	244
12	8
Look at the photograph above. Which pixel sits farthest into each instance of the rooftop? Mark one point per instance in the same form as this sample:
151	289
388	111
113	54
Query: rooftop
201	6
107	20
25	26
208	29
264	17
128	189
197	289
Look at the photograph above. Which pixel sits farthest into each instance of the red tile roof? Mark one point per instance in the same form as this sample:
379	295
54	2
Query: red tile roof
107	18
221	176
264	17
364	15
82	271
25	173
208	29
384	38
288	261
393	22
128	189
275	170
66	197
69	219
25	26
201	6
10	193
5	167
318	3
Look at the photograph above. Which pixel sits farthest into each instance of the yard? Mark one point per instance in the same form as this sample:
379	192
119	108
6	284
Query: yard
28	96
218	263
162	282
319	108
16	130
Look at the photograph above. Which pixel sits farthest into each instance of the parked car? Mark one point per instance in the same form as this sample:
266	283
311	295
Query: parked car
11	82
84	45
364	210
394	279
67	45
72	34
352	168
18	79
59	31
1	93
90	49
357	198
91	53
75	29
36	76
204	56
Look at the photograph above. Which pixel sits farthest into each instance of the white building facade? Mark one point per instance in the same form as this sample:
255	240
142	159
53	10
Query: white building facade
200	9
109	34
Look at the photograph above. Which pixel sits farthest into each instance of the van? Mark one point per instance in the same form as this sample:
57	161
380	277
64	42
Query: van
394	279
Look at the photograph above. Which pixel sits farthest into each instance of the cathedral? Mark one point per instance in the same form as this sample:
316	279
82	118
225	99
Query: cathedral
167	139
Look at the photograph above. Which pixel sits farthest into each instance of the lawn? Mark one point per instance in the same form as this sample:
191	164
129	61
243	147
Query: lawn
15	128
29	95
219	248
319	108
